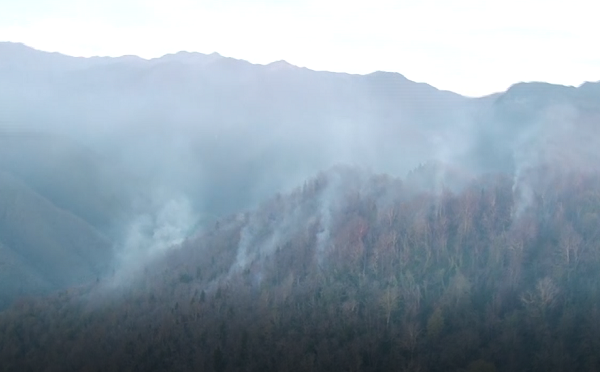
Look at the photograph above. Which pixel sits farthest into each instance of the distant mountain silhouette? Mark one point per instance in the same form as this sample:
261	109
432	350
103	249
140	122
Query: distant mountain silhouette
207	105
98	142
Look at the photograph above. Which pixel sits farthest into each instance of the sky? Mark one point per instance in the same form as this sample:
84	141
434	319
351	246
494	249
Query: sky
466	46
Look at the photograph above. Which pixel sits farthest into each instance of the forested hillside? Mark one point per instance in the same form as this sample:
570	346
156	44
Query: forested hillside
177	214
353	271
132	147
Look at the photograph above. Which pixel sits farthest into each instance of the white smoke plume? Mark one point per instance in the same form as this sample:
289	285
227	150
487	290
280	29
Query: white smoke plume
165	226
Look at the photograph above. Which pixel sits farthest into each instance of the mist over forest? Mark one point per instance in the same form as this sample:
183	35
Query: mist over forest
199	212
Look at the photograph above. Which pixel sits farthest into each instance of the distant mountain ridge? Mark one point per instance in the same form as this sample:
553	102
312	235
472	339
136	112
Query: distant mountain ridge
23	56
119	138
18	53
195	98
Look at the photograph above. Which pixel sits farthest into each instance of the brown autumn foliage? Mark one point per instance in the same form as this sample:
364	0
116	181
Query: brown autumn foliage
408	280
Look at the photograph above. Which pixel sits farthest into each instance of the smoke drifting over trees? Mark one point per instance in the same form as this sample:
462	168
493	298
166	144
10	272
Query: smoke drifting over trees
200	212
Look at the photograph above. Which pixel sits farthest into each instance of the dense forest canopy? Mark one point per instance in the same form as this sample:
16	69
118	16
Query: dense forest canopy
197	212
352	271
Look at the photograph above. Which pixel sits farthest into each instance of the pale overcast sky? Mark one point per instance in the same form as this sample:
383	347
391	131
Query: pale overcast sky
467	46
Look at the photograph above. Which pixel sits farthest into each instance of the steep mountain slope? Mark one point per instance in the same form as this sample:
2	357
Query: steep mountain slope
64	208
225	133
199	124
353	271
18	278
125	137
111	139
43	247
533	123
68	174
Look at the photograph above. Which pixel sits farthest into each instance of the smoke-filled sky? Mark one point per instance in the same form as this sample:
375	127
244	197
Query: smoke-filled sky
467	46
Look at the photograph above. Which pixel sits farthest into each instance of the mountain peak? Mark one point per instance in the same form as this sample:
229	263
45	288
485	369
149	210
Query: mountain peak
537	91
190	57
380	73
280	65
590	86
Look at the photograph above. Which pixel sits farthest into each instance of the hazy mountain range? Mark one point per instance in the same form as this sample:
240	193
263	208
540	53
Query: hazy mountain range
106	161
